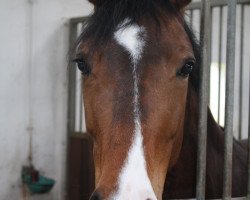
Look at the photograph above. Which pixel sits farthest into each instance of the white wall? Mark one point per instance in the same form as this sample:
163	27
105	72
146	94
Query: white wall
34	45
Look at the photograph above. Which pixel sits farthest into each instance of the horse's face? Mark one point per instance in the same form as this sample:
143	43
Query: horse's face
135	94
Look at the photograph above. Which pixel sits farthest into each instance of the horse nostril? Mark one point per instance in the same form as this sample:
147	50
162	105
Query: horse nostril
95	196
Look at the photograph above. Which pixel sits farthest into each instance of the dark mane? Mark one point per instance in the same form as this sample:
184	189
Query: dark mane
108	14
111	13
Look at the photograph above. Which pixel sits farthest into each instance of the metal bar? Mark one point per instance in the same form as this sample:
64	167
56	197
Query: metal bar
81	109
77	20
71	82
241	68
248	186
191	17
203	101
237	198
71	94
229	122
78	101
78	89
220	59
214	3
209	29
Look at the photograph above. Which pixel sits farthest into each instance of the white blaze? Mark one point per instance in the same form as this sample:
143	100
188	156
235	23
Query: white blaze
133	181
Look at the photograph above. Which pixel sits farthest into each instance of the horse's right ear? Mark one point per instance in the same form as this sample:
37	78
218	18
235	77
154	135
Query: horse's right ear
93	2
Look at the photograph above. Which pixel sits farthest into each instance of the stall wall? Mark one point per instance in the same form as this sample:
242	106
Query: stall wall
33	91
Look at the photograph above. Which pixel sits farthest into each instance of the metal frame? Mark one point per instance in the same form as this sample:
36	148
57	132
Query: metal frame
203	99
205	7
229	125
72	80
248	188
214	3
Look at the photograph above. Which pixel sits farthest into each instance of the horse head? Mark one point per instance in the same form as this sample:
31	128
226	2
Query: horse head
136	58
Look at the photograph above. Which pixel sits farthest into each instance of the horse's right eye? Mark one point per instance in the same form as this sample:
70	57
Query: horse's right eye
186	69
83	66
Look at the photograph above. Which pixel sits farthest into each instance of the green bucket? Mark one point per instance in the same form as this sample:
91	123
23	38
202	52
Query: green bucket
36	183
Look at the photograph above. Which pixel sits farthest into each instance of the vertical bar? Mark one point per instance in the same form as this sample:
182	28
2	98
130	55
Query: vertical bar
199	35
248	187
229	122
81	108
191	17
209	48
78	91
241	69
71	96
78	103
71	82
203	101
220	59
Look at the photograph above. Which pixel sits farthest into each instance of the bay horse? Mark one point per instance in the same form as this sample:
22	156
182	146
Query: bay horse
140	63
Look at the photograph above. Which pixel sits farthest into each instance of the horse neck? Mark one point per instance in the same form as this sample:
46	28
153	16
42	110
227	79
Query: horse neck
214	131
215	150
181	184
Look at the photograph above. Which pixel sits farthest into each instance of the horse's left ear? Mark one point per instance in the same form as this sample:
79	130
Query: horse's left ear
180	4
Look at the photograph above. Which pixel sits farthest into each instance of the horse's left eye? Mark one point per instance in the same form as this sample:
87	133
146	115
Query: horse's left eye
83	66
186	69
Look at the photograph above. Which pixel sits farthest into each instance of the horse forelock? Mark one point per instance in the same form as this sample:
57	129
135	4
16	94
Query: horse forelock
102	24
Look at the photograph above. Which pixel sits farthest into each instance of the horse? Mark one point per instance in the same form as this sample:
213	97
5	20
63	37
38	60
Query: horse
140	65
